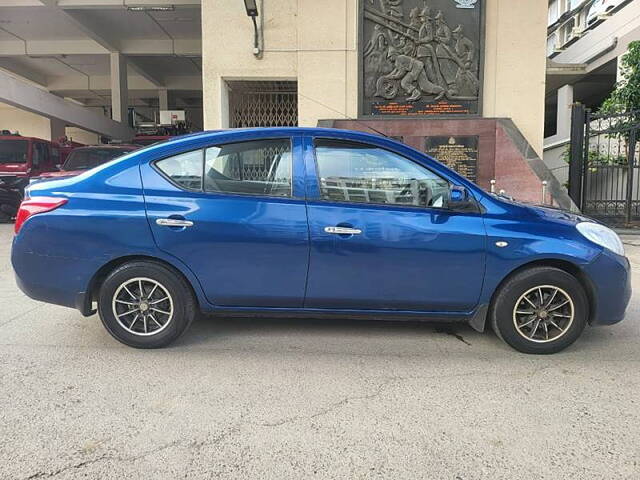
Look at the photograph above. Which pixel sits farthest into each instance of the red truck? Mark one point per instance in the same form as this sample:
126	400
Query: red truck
24	158
29	156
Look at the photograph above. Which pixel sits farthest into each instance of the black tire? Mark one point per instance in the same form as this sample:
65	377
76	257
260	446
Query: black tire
504	306
5	217
183	304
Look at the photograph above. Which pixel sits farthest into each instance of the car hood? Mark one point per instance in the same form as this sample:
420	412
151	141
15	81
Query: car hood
557	214
548	212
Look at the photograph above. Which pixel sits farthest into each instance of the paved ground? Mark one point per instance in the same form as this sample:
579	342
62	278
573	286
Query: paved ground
297	399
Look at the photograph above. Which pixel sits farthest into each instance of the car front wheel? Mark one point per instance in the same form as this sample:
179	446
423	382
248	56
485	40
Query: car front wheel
540	310
146	305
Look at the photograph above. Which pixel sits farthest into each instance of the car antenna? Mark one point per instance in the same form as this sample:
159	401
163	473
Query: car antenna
347	117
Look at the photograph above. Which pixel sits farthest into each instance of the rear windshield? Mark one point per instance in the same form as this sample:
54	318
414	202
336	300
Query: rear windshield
13	151
89	158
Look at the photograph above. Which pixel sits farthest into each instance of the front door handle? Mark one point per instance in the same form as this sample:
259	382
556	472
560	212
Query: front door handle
343	230
173	222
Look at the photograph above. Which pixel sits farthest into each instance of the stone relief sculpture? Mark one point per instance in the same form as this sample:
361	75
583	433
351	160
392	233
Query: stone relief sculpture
420	56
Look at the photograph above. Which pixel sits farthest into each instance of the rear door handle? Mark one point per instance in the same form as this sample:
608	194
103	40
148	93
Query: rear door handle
343	230
173	222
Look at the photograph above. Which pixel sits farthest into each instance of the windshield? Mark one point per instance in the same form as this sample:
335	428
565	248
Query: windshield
84	159
13	151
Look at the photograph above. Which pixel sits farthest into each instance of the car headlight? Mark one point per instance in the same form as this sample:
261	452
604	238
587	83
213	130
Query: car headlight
601	235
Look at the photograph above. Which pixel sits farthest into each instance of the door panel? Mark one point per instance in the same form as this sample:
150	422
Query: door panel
401	260
400	257
247	251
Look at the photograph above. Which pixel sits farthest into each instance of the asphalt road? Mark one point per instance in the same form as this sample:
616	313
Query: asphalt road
299	399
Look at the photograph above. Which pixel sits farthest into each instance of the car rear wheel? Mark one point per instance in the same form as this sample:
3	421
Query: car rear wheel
146	305
541	310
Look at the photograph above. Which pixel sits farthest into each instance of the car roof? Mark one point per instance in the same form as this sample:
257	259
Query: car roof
20	137
272	131
108	147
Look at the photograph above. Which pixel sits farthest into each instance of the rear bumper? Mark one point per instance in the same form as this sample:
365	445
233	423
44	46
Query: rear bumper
43	279
610	278
58	280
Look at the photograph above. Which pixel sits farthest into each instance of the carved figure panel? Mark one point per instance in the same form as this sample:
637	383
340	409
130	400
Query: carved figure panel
420	57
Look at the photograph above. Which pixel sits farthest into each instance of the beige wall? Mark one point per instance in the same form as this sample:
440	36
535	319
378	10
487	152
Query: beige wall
26	123
315	42
82	136
32	125
515	65
311	41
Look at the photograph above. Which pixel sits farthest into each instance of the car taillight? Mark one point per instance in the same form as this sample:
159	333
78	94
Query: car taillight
35	205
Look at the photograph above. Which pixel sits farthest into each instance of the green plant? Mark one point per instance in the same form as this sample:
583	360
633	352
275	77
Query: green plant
596	158
626	96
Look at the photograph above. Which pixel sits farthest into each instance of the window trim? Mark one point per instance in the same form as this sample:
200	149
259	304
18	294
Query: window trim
203	150
373	204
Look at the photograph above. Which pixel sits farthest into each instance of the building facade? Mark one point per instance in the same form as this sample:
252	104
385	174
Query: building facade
462	76
585	41
316	44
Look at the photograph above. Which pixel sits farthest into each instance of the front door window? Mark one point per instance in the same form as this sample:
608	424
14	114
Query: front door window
359	173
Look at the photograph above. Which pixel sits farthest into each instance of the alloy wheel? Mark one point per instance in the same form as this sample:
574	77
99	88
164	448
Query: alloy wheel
143	306
543	314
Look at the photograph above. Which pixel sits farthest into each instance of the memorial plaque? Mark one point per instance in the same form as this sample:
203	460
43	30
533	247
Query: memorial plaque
420	57
457	153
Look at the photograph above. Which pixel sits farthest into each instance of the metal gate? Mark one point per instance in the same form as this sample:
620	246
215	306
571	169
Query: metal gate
263	104
604	168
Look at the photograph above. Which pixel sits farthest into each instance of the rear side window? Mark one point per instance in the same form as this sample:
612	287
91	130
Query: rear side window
185	170
261	167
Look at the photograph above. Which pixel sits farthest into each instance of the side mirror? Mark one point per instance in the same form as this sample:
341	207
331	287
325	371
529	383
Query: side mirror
461	200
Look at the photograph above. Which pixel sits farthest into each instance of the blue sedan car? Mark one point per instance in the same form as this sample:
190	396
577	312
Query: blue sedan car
310	222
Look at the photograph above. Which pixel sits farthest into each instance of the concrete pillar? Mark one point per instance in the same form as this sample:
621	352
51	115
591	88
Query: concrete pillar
58	128
119	88
163	99
563	115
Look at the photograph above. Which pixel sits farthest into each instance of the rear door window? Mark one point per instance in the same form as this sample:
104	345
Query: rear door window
259	167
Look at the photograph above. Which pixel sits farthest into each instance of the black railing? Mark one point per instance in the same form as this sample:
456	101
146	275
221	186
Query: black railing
604	176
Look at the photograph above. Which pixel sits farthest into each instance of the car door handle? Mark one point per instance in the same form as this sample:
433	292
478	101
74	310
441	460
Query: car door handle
173	222
343	230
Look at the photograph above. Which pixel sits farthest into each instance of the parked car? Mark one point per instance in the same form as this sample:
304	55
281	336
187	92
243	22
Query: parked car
65	146
11	188
310	222
28	156
85	158
600	7
146	140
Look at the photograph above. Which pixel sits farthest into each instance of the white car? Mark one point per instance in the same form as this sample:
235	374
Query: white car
600	7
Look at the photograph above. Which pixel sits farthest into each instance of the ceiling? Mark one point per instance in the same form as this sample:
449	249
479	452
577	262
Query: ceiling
66	49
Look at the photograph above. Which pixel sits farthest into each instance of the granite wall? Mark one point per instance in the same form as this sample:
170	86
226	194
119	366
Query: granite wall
503	152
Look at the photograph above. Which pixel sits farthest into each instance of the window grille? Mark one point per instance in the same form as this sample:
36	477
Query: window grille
263	104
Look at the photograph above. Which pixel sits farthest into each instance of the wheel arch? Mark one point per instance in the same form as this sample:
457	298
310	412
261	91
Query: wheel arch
561	264
101	274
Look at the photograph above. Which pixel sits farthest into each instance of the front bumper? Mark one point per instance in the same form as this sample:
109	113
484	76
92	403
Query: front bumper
610	284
